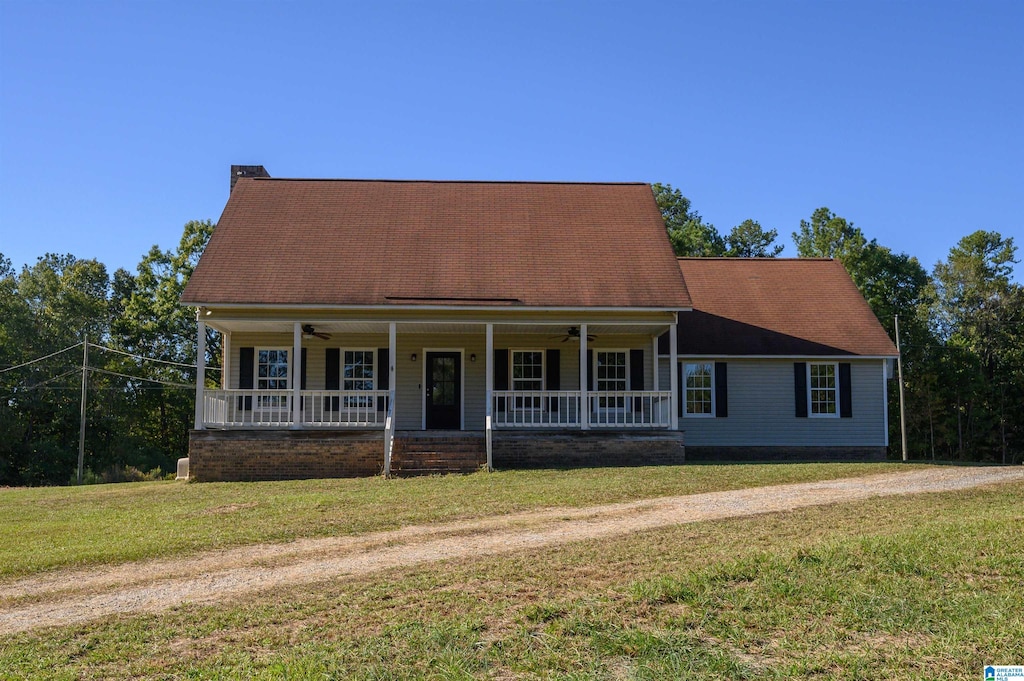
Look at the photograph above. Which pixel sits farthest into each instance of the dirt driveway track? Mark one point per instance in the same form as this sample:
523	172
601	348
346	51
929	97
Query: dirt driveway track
76	596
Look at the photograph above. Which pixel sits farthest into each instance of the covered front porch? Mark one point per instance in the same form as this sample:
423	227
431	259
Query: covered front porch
549	373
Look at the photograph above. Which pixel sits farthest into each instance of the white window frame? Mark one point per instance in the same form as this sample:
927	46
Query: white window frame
603	403
520	402
267	404
686	390
361	402
835	390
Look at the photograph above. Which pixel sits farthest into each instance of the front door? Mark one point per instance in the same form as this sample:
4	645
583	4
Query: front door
444	391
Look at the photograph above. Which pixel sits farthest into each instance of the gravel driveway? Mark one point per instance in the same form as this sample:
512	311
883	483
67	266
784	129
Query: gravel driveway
75	596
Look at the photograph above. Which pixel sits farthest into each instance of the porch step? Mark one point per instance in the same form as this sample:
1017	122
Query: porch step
434	453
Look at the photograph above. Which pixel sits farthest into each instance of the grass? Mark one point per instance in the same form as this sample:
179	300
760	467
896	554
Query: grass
95	524
922	587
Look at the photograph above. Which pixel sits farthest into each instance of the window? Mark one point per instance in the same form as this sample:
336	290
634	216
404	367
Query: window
357	374
272	374
699	385
527	374
823	390
272	369
610	374
527	370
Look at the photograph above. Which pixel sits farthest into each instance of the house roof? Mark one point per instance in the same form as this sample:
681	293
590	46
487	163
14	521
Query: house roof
375	242
776	306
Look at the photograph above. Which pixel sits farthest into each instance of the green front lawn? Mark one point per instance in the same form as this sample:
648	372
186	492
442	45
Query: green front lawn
925	587
46	528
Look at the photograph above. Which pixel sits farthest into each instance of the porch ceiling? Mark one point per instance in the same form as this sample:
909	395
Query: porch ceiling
342	327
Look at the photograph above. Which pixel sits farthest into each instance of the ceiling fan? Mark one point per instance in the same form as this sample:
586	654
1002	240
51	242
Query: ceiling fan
308	330
572	333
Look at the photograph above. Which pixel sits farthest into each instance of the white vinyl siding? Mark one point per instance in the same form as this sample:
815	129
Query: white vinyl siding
762	410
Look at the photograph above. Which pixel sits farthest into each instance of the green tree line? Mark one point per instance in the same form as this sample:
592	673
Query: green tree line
138	412
961	327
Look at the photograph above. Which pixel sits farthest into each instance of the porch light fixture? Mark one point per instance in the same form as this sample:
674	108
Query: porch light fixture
412	357
472	357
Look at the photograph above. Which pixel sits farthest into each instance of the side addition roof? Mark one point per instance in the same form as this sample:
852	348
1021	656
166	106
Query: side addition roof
374	242
769	306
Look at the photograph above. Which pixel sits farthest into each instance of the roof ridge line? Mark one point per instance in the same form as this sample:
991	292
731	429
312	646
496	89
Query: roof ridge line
411	181
732	258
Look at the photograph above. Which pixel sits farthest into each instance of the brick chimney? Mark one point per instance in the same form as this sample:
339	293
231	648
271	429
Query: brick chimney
246	171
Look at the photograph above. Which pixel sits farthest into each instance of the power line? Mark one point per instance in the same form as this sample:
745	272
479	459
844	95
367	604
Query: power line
150	359
34	386
40	359
140	378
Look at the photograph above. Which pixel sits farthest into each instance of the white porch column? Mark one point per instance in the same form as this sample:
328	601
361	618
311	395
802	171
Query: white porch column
297	376
489	389
584	369
389	423
656	363
200	369
673	381
225	362
392	360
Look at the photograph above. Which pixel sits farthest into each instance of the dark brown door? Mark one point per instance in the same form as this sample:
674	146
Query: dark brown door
444	391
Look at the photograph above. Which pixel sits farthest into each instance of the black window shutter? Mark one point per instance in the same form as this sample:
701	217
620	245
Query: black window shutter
800	388
302	378
590	369
554	369
553	375
636	376
681	387
845	391
721	390
382	377
501	369
332	376
636	369
302	374
246	362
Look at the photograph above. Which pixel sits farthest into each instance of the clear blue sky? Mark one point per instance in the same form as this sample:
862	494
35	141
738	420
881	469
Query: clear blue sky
118	120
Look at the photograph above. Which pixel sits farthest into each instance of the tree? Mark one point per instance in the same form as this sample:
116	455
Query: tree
688	233
749	240
978	313
155	324
829	236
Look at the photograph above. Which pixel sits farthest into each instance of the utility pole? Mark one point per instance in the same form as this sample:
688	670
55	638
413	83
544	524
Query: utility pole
81	426
899	371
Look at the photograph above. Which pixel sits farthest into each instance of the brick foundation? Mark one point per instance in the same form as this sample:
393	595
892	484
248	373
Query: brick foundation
244	455
696	454
577	449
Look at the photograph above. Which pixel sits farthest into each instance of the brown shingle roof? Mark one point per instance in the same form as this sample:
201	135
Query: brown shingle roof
372	242
779	306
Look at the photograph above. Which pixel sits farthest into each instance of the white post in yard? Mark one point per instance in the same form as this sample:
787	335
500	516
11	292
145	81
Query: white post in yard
655	363
489	389
296	370
584	397
200	369
673	381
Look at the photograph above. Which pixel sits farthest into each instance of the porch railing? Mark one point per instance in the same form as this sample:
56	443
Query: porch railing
273	408
561	409
630	409
535	408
